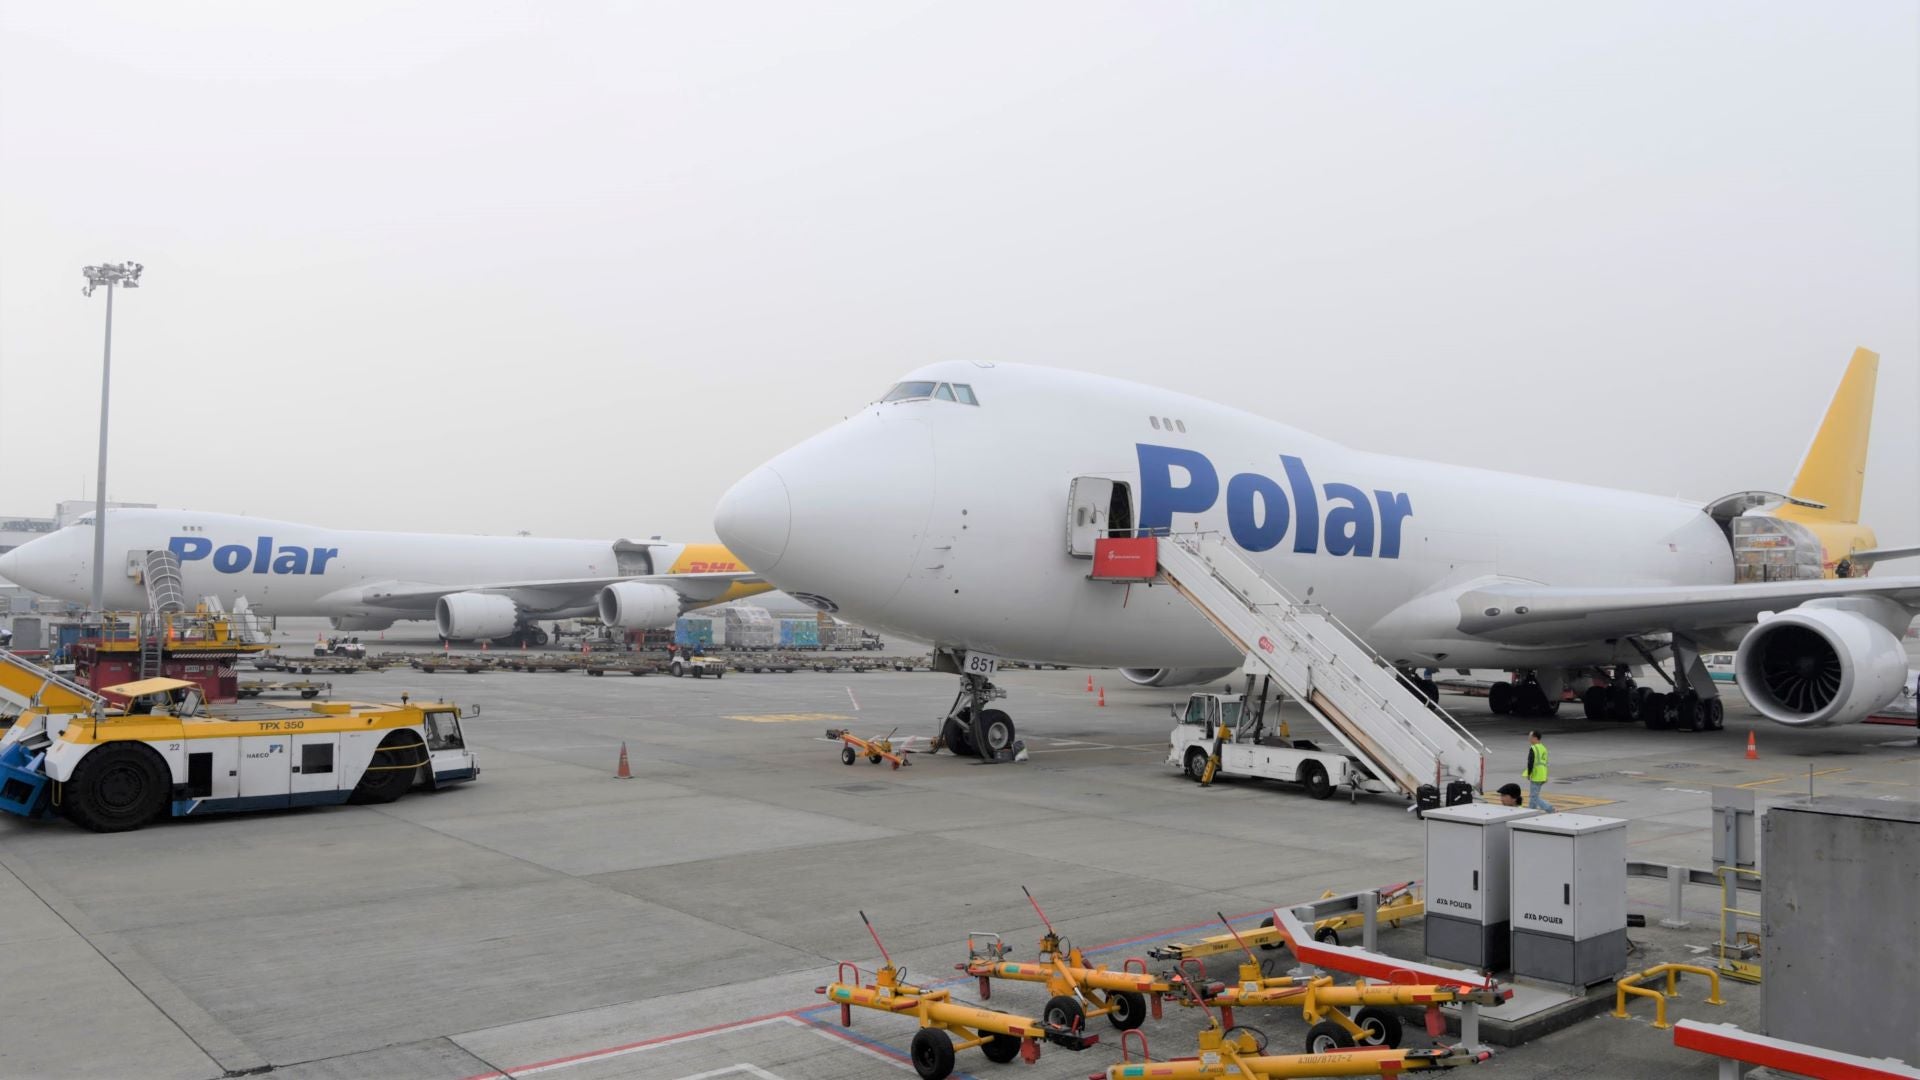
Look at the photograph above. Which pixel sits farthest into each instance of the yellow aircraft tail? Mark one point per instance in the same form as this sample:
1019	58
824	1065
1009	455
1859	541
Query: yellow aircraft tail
1836	461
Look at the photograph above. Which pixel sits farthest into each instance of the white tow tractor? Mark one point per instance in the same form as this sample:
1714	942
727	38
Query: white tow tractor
1224	727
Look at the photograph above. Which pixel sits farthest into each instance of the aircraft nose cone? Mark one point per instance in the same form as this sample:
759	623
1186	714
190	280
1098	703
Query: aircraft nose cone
8	562
754	517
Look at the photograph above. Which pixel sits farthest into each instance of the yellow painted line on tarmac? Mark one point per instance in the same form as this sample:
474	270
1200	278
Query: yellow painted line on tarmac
790	717
1795	776
1563	801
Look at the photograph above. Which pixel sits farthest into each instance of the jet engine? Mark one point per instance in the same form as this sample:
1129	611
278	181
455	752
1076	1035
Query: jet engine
1174	676
470	615
637	605
360	623
1826	662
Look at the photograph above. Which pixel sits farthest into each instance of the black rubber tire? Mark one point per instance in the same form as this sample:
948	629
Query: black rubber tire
116	788
1001	1048
1500	698
1529	700
847	755
309	694
1657	712
1642	696
1129	1009
1062	1011
1620	704
719	672
1314	776
1715	712
1327	1036
1267	924
386	778
676	669
540	636
1196	762
992	732
1595	702
1327	935
955	736
932	1054
1383	1028
1686	711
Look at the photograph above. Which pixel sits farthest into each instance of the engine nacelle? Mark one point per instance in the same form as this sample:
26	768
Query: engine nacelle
470	616
637	605
359	623
1824	663
1185	676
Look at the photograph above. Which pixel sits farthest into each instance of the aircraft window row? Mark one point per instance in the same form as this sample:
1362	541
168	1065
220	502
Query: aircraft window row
960	393
1162	422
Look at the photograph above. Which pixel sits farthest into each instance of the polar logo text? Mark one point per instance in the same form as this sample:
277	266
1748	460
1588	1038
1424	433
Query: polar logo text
261	558
1259	511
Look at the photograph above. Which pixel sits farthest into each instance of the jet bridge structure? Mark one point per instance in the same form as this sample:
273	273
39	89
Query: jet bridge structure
1401	736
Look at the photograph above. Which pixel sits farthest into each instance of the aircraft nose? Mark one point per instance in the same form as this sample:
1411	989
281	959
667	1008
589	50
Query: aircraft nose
8	563
838	519
753	519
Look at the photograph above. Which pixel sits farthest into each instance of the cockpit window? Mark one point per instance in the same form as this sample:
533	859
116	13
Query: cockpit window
964	394
943	393
909	391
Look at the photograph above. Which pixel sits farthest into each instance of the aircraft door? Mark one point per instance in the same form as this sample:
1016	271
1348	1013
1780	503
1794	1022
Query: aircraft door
1089	502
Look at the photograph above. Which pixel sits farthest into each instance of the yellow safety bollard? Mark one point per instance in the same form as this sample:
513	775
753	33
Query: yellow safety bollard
1631	985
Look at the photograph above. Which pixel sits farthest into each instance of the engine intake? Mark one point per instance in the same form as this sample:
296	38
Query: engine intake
1174	676
638	605
471	616
1824	663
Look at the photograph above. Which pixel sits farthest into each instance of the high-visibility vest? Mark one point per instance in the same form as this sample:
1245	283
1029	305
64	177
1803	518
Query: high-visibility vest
1537	771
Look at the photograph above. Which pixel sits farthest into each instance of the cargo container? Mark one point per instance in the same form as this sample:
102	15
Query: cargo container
695	632
749	627
799	634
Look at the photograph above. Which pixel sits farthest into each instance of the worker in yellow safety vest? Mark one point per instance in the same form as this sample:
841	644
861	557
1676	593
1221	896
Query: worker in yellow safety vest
1536	771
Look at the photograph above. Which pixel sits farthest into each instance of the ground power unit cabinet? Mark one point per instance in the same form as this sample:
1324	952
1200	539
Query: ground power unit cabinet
1569	898
1468	894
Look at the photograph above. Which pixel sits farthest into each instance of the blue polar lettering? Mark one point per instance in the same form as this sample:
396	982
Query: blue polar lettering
1259	513
1160	499
237	558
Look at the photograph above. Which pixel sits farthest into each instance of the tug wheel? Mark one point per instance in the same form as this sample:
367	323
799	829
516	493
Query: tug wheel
1382	1027
1267	924
932	1054
1326	1037
1001	1048
118	787
1196	763
847	756
392	770
1327	935
1129	1009
1063	1011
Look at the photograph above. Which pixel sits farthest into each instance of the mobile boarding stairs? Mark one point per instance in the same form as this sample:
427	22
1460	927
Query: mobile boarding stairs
1402	737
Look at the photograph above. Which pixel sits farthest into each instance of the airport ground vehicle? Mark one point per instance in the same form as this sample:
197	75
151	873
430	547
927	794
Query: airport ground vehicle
167	753
695	666
350	647
1245	744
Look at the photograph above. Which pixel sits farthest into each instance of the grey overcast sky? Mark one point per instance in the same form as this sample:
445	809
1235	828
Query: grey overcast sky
573	268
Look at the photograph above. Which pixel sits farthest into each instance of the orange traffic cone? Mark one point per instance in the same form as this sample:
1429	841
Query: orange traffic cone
1089	684
623	772
1102	703
1753	752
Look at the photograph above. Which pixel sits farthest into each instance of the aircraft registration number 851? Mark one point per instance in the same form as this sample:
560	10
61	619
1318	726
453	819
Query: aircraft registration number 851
979	663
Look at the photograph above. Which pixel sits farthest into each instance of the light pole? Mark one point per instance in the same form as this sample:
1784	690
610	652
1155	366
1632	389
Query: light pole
126	275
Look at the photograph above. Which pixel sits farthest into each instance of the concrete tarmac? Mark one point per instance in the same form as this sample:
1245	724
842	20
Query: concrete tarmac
550	919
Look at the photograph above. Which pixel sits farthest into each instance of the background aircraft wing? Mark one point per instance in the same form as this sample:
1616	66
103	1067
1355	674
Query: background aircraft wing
553	594
1519	613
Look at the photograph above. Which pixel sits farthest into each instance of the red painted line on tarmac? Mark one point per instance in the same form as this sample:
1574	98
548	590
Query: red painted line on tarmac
603	1051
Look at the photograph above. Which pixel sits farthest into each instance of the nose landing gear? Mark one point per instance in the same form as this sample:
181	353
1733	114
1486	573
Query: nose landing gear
970	726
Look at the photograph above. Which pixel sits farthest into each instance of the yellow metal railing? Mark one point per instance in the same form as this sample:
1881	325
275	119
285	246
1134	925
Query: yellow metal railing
1735	967
1631	985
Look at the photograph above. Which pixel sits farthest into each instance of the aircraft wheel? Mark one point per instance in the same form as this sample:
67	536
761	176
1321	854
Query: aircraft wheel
1620	703
1129	1009
1596	701
1500	698
1001	1048
1686	711
993	732
1657	712
1715	712
117	787
932	1054
847	756
1197	763
1326	1037
540	636
1641	696
1382	1027
1063	1011
957	735
1314	775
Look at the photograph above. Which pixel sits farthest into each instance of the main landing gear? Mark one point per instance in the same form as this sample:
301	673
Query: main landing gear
1530	697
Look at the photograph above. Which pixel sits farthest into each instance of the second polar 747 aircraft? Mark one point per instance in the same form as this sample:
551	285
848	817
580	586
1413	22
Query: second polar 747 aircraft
491	588
963	506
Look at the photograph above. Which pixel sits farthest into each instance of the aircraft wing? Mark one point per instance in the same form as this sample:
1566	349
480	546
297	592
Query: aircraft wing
1519	613
553	594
